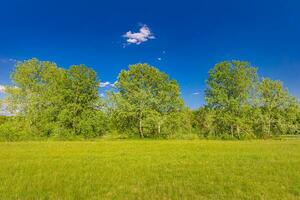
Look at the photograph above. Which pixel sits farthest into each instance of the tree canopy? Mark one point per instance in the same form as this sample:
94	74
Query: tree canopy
56	101
47	101
146	97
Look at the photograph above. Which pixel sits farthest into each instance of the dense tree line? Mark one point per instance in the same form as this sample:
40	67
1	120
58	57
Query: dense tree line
47	101
241	105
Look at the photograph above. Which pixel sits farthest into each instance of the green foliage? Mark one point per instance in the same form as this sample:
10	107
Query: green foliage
52	102
202	121
279	110
240	106
145	100
15	129
56	102
178	123
3	119
229	93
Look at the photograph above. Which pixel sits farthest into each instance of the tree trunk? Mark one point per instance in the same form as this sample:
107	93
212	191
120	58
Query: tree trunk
158	128
269	126
238	131
141	128
232	131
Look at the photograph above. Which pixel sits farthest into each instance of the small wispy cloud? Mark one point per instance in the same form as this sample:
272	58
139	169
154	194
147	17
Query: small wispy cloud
8	60
137	38
12	60
107	84
2	89
196	93
159	59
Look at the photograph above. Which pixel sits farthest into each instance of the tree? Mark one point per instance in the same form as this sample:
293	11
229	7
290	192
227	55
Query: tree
80	94
56	101
202	121
145	98
278	108
34	94
230	93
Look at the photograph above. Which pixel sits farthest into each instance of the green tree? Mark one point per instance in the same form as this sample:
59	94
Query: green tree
230	93
145	99
80	93
202	121
56	101
278	108
34	94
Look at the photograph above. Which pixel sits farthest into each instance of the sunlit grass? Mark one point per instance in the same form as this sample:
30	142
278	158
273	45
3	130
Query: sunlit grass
150	170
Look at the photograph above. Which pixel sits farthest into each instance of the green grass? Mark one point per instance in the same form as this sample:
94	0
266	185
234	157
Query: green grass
196	169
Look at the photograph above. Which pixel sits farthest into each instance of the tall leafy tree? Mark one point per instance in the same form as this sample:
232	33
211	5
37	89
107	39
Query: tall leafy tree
34	94
54	100
230	91
146	97
278	108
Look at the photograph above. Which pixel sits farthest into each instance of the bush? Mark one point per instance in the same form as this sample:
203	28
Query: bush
15	130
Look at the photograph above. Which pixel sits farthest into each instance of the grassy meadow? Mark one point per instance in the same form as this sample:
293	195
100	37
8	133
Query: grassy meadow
156	169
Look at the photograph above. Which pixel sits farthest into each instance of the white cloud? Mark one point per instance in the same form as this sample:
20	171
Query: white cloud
159	59
12	60
104	84
143	35
107	84
196	93
102	95
2	89
8	61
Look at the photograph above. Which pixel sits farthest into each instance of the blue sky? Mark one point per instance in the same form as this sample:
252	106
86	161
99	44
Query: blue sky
186	38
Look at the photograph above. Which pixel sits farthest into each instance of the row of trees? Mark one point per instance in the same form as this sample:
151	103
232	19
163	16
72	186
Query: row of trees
48	101
240	104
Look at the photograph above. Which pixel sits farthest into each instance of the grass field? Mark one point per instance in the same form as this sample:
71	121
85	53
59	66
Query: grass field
196	169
